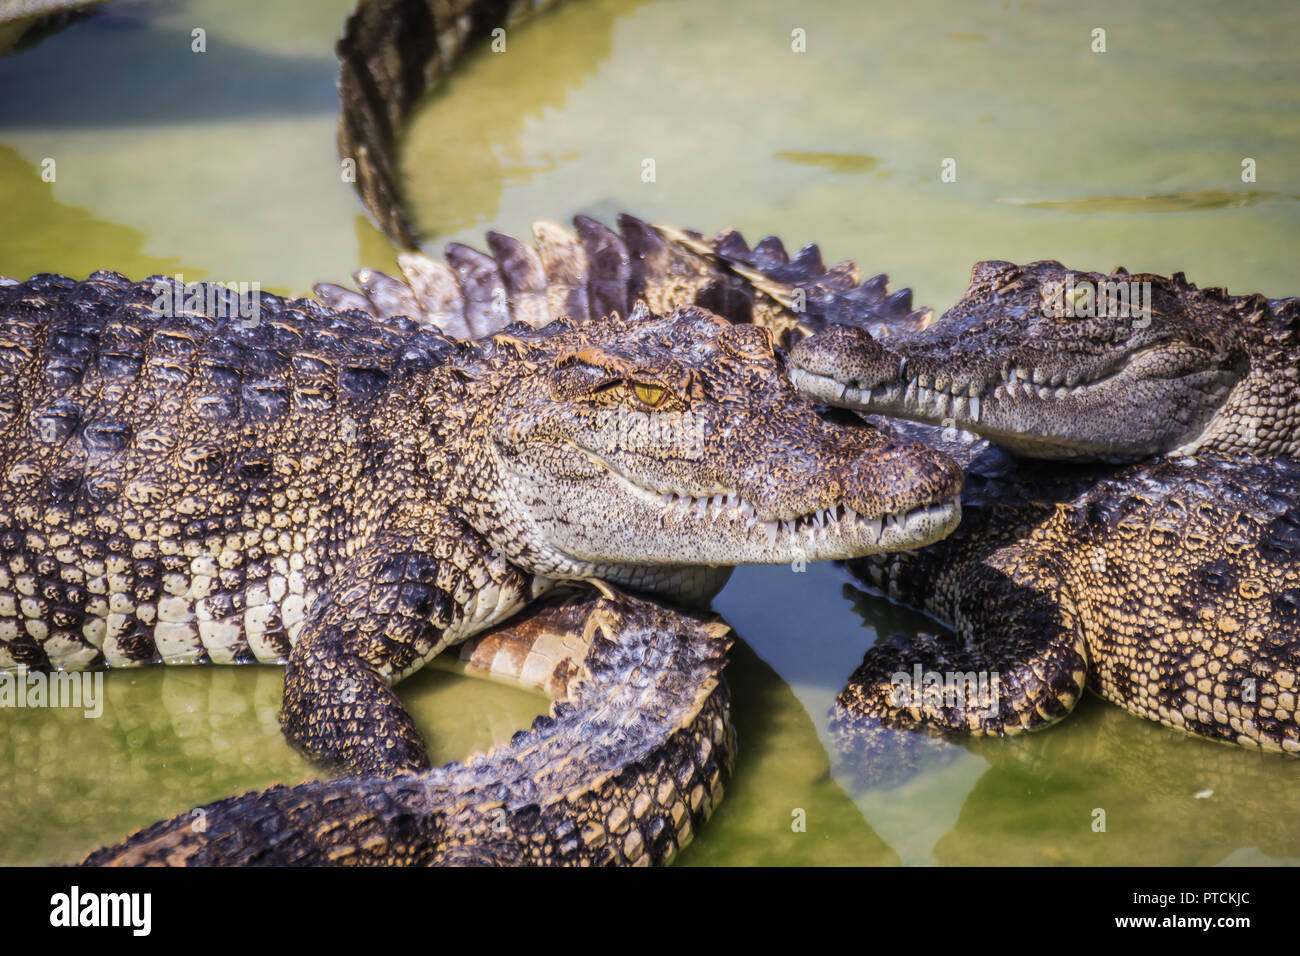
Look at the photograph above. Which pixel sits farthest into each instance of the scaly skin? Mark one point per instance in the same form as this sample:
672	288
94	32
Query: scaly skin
352	496
390	544
1042	677
1169	587
595	271
390	53
629	763
1185	595
656	264
1203	372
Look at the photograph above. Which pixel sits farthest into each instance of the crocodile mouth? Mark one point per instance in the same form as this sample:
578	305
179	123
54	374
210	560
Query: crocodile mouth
838	521
817	531
922	396
1070	414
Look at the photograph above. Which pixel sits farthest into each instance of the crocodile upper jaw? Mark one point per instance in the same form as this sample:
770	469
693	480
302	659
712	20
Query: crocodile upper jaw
1118	415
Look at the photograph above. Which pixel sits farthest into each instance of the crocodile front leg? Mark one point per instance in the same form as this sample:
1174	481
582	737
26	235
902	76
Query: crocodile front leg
397	604
1018	661
338	708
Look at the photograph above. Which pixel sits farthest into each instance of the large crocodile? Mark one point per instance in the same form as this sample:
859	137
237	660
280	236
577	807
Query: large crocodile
183	483
1168	587
580	277
352	496
1171	586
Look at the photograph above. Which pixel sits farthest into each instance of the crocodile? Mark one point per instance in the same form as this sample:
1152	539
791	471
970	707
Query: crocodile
1198	372
1049	362
1167	585
595	270
338	706
633	756
476	295
349	495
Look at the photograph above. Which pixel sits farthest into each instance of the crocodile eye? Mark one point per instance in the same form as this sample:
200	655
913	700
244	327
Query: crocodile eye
1081	299
652	395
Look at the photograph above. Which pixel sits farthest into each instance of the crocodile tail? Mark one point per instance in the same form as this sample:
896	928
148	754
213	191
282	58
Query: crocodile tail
811	295
630	761
391	51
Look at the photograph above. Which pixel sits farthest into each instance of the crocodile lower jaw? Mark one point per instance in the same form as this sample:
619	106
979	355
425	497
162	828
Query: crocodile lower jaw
889	531
818	534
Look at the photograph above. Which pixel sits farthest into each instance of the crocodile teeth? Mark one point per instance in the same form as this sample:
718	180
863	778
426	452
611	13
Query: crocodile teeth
974	408
818	525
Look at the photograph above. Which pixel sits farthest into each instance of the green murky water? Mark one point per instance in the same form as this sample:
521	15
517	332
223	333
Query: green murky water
222	165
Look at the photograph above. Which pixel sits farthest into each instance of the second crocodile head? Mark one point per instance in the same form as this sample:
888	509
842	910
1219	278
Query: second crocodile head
1052	363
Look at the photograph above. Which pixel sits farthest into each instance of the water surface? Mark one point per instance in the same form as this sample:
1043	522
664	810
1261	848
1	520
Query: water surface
222	165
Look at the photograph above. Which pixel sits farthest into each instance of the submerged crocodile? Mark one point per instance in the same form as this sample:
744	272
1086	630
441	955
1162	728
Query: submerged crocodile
1170	586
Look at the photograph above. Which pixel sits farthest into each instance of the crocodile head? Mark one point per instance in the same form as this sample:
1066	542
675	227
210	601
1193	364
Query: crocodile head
621	445
1048	363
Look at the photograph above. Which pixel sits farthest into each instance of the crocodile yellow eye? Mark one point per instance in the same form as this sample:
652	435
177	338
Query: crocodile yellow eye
652	395
1080	298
